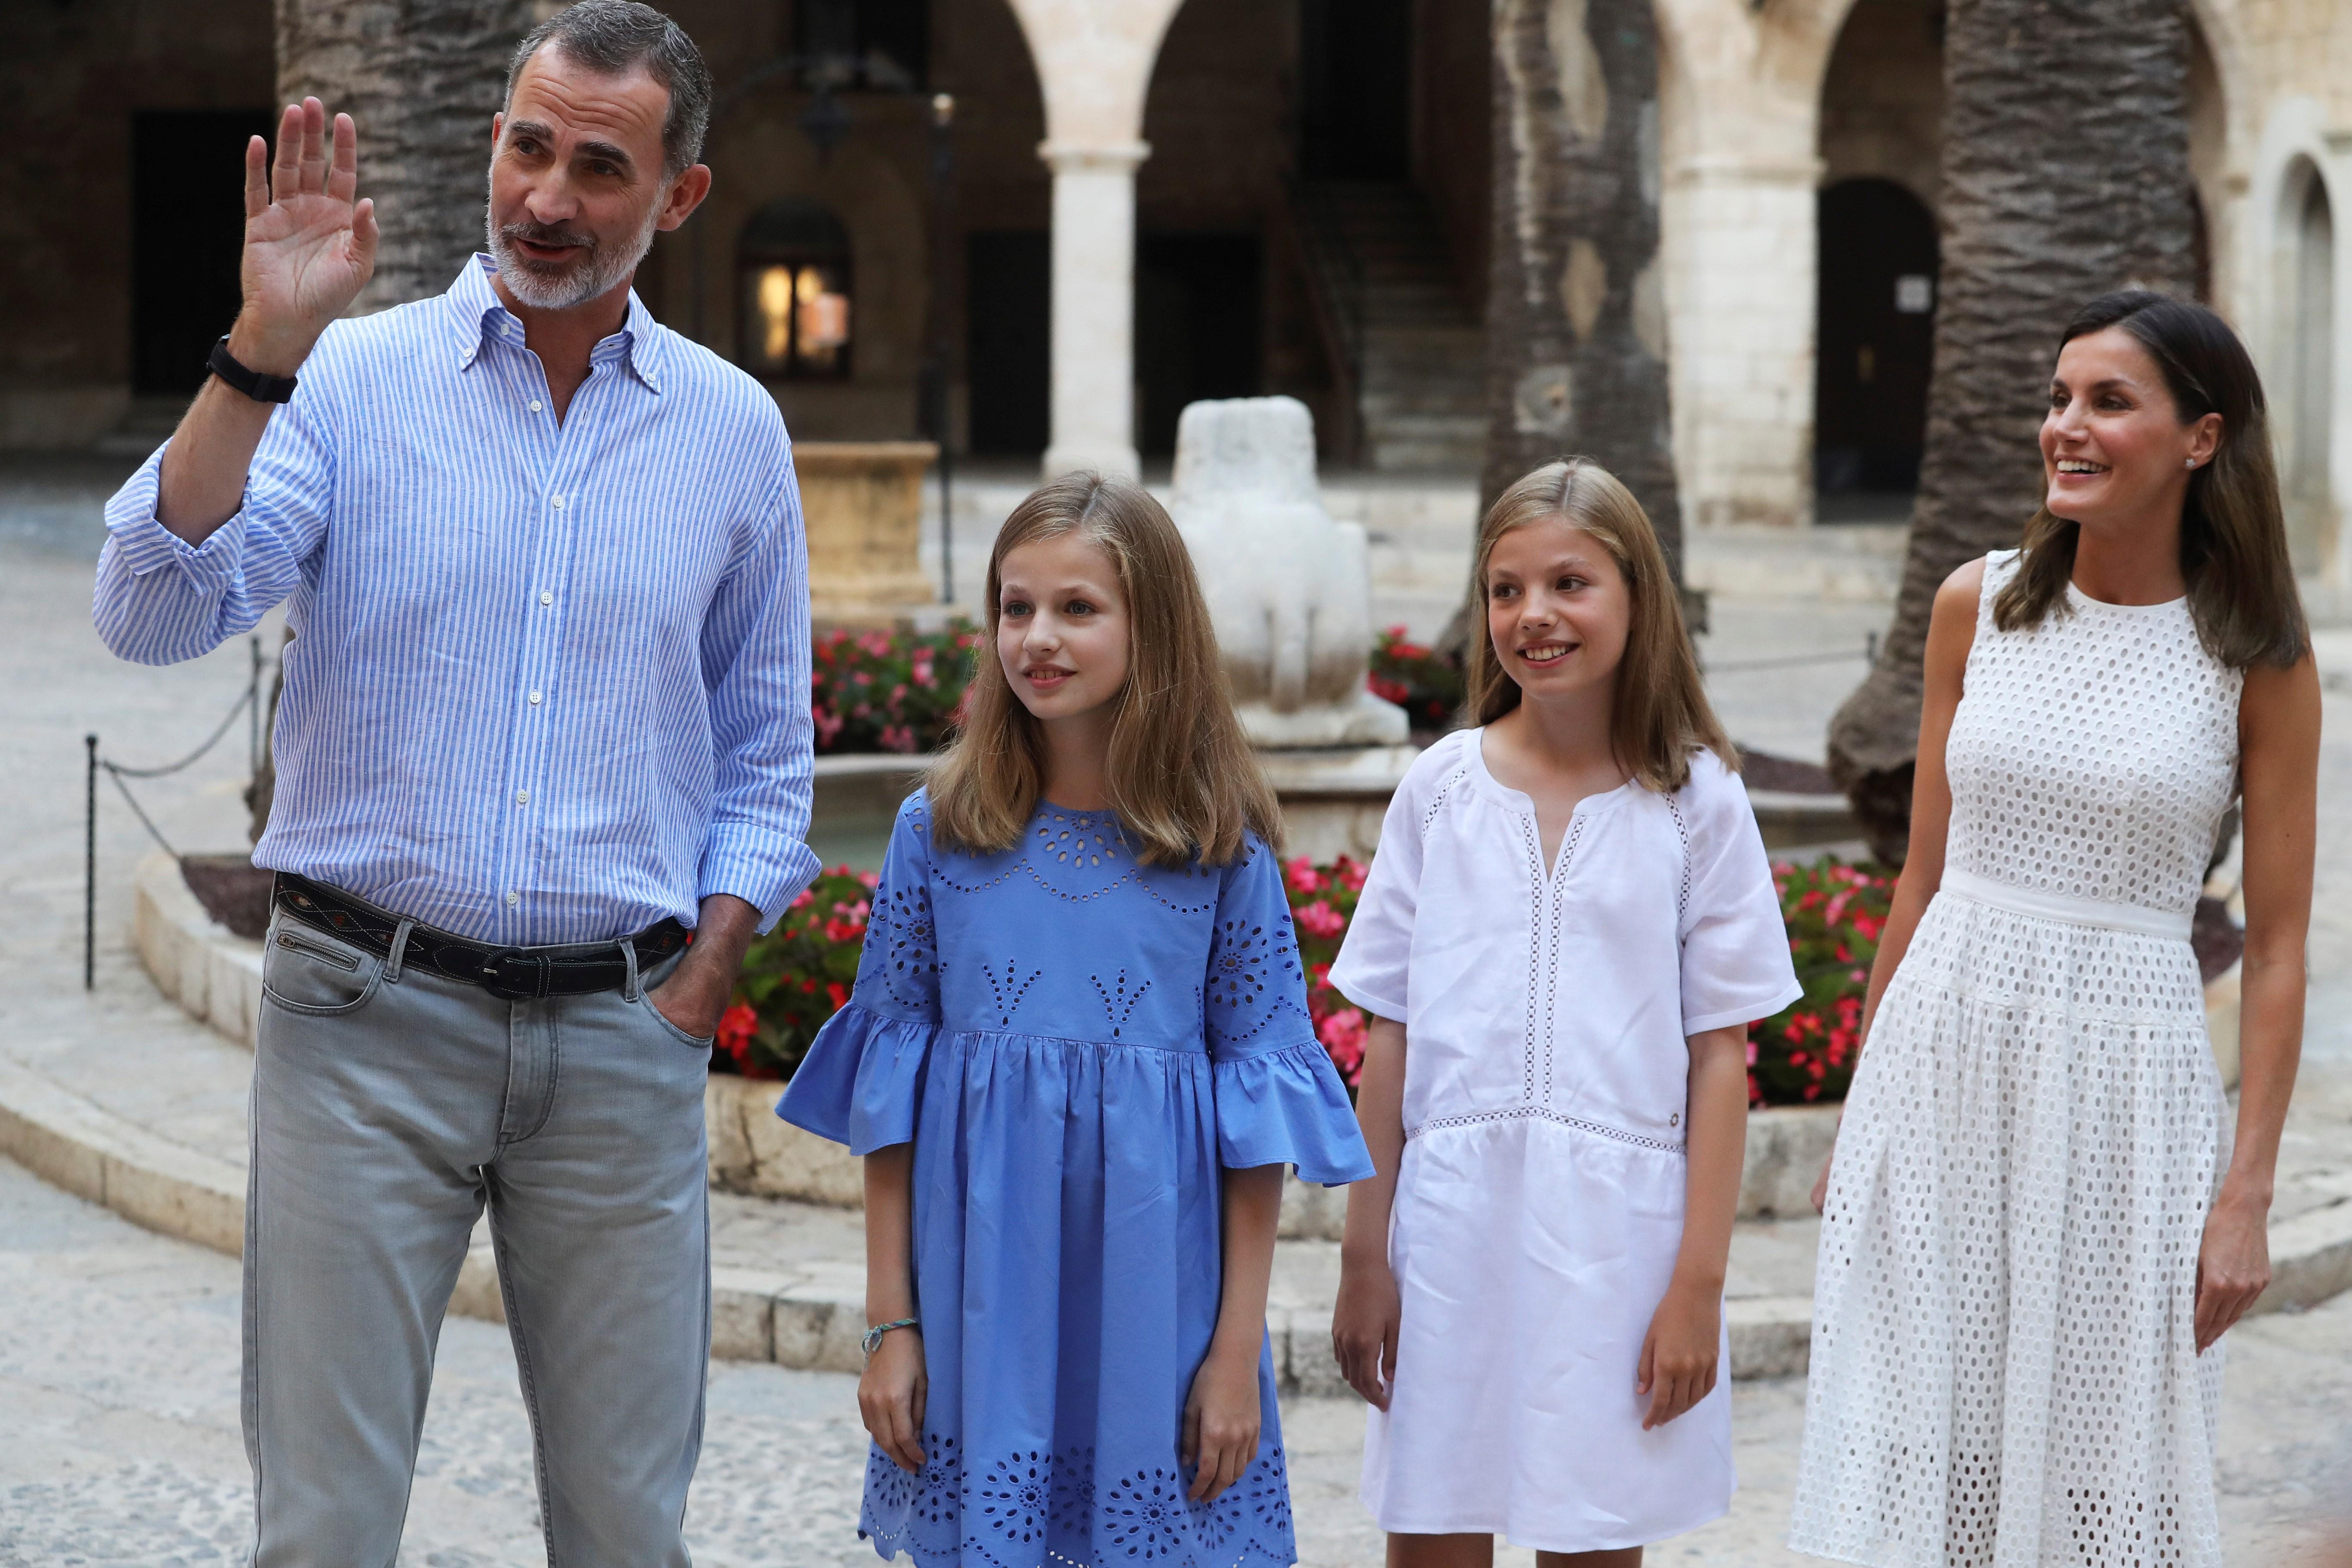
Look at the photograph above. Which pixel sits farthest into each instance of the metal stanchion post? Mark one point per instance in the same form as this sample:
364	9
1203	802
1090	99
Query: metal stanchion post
89	872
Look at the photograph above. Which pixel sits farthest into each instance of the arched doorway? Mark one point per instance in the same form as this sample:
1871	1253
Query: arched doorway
2309	251
1876	338
1882	137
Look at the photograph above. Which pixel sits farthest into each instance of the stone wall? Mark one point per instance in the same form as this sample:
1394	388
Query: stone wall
73	77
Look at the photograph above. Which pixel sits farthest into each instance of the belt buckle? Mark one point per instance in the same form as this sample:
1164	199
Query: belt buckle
498	975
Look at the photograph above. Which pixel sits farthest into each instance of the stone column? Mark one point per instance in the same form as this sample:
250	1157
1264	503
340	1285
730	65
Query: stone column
1094	306
1742	339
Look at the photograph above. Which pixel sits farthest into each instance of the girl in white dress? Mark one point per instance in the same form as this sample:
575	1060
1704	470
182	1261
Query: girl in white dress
2036	1228
1568	928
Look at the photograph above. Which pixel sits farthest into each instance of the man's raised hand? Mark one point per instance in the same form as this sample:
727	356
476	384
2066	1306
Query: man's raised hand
308	247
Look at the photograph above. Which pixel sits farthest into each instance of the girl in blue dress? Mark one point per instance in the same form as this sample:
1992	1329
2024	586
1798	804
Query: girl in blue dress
1078	1059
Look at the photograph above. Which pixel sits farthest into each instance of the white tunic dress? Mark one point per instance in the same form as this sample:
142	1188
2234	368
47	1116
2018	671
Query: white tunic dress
2005	1371
1539	1206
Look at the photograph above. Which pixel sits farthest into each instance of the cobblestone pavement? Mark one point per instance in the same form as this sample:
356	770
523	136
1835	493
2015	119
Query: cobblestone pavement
119	1440
121	1448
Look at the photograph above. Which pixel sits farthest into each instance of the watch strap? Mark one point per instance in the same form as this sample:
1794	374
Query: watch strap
254	384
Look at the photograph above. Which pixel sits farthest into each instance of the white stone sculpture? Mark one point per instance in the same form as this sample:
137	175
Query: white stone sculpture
1289	588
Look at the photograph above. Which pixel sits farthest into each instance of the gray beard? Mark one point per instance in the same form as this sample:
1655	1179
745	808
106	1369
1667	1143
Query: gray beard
575	285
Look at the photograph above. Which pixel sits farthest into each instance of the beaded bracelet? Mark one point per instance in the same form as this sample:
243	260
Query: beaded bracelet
873	1340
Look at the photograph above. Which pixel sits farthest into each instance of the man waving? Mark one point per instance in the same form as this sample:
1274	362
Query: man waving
545	721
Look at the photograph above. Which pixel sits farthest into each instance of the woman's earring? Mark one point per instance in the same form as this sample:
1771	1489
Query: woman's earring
2187	462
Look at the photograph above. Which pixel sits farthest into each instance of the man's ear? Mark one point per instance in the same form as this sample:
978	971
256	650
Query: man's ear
685	195
497	128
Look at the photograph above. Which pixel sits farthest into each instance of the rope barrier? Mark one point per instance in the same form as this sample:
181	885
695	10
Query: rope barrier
249	703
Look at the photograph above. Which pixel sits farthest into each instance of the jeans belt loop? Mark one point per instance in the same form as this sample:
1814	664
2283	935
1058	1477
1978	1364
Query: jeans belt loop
629	961
391	965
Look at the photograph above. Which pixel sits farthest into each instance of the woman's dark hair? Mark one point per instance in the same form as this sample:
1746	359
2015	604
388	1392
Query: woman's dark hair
2234	550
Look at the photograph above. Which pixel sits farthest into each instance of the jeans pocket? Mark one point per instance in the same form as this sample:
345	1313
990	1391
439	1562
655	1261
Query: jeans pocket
661	1022
308	971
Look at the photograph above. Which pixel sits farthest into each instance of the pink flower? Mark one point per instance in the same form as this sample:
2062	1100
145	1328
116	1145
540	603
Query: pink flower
1320	921
828	724
897	738
838	994
1348	874
1301	877
1343	1036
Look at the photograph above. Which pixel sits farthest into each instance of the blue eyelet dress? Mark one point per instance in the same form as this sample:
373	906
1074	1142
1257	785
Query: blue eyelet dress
1077	1045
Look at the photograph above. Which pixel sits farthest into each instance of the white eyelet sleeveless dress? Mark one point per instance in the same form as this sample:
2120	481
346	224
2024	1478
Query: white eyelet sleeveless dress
2004	1363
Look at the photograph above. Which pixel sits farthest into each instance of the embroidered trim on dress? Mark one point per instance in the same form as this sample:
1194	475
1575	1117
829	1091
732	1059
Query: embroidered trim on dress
1438	798
1540	886
1682	894
1520	1112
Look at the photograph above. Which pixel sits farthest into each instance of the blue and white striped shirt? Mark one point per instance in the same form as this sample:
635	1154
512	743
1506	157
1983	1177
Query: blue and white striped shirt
549	682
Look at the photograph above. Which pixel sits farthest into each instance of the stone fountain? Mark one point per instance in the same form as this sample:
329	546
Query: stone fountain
1289	591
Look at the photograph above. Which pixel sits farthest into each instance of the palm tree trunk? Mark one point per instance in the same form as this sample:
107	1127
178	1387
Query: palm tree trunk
2065	173
1575	317
421	79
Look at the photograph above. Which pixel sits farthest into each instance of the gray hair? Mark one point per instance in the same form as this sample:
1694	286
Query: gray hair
611	37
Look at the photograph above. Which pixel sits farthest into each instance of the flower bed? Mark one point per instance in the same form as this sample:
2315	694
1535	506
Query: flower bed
1423	682
798	974
1834	912
889	691
795	978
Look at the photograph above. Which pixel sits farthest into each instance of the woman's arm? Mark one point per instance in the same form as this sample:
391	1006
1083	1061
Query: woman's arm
1221	1415
1364	1324
891	1394
2278	750
1678	1367
1951	633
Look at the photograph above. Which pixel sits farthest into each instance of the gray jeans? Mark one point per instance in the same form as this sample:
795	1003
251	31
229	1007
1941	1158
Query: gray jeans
387	1110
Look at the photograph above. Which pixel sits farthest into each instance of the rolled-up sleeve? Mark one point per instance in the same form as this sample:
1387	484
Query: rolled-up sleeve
160	599
755	662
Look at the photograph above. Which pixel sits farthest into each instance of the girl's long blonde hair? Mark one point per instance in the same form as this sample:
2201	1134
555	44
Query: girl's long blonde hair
1181	775
1660	714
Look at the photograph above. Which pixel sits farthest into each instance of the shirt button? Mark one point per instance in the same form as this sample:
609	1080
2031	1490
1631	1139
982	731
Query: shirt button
522	797
546	597
534	699
513	899
535	406
556	500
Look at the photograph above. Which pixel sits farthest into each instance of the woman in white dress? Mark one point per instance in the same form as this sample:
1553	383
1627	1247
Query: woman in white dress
2036	1227
1569	926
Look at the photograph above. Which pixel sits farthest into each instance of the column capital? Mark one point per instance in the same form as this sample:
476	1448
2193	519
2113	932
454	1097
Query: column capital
1093	157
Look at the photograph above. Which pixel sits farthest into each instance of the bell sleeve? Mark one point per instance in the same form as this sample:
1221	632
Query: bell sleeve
1279	1099
1735	945
862	1082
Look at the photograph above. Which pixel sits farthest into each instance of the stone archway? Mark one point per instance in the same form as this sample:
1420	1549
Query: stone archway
1882	151
2305	395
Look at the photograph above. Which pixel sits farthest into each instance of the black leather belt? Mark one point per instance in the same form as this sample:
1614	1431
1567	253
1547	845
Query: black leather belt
516	973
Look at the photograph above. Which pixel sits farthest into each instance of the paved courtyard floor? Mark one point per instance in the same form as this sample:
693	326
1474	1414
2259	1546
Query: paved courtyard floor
118	1348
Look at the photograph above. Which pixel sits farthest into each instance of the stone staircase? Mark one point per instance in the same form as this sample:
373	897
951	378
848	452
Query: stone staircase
1404	339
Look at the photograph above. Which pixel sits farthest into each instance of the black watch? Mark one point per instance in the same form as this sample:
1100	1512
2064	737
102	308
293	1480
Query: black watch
252	383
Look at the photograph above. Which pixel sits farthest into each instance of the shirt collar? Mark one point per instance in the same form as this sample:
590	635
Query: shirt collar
477	315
